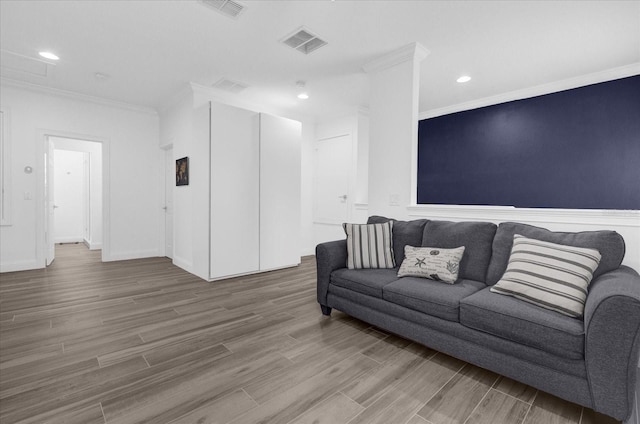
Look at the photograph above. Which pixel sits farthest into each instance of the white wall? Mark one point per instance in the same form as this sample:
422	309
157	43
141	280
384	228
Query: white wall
131	157
93	233
69	196
176	130
395	84
362	171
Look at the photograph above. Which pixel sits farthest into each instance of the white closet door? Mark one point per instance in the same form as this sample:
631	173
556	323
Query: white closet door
235	213
279	192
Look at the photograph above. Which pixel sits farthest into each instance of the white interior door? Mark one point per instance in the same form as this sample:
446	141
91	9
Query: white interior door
69	194
332	169
48	201
170	181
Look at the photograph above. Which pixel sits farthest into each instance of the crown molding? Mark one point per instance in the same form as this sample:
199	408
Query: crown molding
414	51
76	96
538	90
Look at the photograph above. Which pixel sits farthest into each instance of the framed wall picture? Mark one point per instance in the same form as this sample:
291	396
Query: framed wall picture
182	171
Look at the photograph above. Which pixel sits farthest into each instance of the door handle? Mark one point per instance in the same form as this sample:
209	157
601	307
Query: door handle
343	197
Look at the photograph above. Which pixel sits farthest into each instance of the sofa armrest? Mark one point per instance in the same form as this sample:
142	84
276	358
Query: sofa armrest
612	326
329	257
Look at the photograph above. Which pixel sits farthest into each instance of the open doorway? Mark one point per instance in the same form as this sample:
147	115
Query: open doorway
73	186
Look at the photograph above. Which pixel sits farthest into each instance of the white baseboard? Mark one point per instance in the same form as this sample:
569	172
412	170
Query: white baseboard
59	240
137	254
308	251
20	266
293	265
92	246
258	271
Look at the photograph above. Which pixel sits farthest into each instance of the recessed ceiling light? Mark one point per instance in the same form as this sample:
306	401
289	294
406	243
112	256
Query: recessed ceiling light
464	78
302	94
49	55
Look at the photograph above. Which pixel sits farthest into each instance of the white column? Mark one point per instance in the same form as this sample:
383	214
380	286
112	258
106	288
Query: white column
395	83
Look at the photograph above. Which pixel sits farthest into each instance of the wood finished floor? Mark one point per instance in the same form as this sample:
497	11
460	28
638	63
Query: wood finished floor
142	341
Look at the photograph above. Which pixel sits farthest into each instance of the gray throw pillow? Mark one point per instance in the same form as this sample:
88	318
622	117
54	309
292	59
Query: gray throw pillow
431	262
553	276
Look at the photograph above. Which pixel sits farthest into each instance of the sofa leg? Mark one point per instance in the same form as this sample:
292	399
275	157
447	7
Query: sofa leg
325	310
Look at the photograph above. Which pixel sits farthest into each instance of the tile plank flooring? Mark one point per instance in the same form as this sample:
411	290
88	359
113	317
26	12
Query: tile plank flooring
142	341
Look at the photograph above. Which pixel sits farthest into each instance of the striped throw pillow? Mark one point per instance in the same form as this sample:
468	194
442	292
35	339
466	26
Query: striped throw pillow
553	276
370	245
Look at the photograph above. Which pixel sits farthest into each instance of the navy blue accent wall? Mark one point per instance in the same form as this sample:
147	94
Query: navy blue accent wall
575	149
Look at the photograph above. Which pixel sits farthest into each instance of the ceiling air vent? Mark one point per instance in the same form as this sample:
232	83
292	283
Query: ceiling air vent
304	41
226	7
229	85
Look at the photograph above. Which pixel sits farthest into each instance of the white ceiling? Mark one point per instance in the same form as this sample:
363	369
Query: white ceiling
151	49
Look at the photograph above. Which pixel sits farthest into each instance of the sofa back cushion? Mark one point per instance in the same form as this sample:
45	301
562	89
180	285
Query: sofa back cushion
405	233
609	243
476	237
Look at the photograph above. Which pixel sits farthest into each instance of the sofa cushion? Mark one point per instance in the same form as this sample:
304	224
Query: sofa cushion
404	233
370	245
365	281
431	262
550	275
609	243
476	237
525	323
429	296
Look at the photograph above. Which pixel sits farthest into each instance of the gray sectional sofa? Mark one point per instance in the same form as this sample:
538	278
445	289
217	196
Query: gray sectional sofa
591	361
